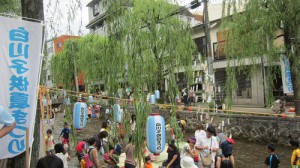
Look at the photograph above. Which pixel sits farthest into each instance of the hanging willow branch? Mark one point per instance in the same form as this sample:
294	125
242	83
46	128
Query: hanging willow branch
144	48
253	27
152	46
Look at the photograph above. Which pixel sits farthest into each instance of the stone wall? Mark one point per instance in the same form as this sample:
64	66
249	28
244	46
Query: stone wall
263	129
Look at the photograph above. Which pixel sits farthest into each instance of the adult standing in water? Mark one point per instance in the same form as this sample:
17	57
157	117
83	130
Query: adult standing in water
92	152
129	151
199	133
208	146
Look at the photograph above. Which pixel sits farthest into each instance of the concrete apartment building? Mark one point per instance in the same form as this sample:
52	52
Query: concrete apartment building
250	90
97	25
97	15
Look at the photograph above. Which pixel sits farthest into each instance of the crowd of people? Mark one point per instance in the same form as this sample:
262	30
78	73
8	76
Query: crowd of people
207	148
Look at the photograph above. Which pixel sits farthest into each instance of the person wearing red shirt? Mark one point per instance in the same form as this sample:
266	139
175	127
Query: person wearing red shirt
80	149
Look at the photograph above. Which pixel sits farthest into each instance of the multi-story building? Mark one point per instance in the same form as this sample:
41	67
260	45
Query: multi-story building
53	47
97	25
97	15
251	90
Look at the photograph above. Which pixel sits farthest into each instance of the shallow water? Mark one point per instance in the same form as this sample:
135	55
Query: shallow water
252	155
247	155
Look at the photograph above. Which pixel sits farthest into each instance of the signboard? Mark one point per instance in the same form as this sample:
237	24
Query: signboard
20	59
286	75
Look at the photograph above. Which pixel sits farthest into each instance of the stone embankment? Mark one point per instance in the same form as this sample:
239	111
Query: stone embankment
264	129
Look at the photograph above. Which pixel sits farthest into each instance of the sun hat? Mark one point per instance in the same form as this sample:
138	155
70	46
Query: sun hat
187	162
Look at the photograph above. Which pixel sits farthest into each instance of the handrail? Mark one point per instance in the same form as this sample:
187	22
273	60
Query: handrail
192	108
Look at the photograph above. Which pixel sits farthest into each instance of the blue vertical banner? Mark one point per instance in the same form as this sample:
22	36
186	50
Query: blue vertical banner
286	74
20	62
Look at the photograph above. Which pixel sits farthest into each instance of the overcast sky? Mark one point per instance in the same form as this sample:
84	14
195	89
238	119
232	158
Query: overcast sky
58	23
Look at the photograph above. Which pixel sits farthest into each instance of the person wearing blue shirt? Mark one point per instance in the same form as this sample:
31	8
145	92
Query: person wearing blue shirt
65	133
7	120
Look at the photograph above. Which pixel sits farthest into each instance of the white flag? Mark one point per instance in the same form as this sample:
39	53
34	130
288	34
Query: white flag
20	54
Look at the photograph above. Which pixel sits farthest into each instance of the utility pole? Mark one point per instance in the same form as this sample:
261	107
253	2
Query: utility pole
31	9
208	44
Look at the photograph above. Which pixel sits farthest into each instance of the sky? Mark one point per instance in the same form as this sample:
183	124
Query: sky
58	23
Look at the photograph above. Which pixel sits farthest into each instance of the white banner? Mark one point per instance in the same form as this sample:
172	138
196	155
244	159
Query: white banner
20	59
286	75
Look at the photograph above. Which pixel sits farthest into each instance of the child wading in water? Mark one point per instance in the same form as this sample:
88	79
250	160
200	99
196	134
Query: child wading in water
49	142
272	161
65	133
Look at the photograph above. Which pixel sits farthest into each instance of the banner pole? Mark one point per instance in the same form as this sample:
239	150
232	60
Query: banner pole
27	148
41	92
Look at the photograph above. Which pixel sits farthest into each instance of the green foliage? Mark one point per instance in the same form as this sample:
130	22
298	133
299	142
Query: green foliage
153	45
10	7
251	36
144	46
149	42
91	52
63	67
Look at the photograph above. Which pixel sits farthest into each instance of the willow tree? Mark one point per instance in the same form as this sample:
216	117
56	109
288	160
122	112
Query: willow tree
147	44
149	40
252	33
63	65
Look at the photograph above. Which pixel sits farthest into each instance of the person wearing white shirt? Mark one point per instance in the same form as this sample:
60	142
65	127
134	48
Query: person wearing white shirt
60	152
207	145
199	133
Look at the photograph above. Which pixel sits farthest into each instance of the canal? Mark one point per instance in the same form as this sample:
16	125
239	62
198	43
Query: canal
247	154
252	155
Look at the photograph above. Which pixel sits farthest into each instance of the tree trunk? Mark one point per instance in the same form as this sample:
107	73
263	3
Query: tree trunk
31	9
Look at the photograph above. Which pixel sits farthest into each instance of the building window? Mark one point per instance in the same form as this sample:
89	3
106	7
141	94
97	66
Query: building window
58	45
219	50
244	85
49	77
201	44
96	9
219	46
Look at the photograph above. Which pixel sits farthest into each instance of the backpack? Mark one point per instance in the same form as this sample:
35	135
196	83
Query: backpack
87	159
